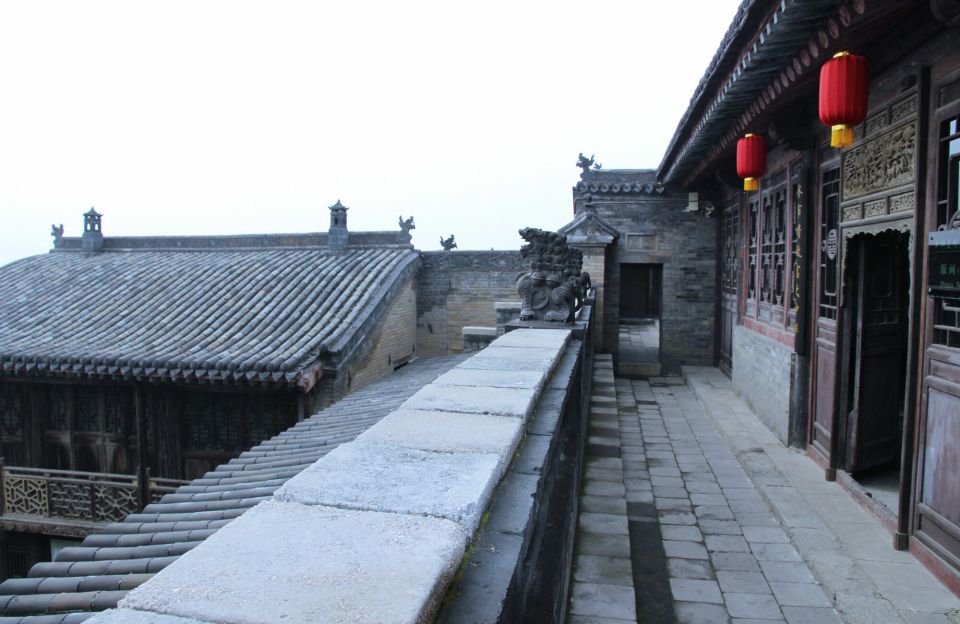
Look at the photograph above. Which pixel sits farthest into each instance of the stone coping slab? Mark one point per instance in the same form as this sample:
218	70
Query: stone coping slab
491	378
131	616
543	338
516	402
307	564
447	432
376	477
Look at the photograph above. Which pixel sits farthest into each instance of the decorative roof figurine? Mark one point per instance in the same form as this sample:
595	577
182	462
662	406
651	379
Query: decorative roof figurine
554	288
57	233
586	163
406	225
448	244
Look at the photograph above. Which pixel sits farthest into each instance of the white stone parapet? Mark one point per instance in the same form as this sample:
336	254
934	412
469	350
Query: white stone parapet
375	530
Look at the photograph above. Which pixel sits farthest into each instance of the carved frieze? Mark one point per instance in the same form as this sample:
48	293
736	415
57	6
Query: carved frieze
903	109
903	203
875	208
880	163
852	213
875	123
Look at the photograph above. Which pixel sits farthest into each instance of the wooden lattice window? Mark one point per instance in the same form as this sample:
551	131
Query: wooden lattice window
946	320
773	242
829	241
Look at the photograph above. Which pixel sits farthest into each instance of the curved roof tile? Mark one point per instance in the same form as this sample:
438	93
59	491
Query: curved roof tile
231	315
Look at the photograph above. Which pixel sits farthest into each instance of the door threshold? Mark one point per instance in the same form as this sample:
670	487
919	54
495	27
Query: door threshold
881	512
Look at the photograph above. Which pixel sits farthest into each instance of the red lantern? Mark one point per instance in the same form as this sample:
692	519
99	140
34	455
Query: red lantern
751	160
843	95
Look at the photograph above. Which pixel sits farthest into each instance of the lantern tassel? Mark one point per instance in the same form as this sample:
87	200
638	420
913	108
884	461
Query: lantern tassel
751	184
841	135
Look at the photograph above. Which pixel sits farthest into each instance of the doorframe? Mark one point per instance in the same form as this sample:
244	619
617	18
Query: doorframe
908	452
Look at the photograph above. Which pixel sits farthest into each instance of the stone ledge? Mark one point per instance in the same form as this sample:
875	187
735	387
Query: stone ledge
374	530
286	562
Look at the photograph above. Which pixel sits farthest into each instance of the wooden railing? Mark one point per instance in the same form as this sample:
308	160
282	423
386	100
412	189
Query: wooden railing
72	495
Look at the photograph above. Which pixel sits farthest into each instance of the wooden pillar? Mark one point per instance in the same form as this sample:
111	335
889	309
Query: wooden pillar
143	470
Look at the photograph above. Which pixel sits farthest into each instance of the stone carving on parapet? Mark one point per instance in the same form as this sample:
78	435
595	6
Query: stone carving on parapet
406	225
554	287
448	244
57	233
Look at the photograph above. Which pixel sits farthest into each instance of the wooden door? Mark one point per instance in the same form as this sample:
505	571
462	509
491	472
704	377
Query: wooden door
936	517
822	422
729	282
878	344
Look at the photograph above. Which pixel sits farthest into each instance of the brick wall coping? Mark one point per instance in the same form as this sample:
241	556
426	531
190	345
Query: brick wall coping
376	529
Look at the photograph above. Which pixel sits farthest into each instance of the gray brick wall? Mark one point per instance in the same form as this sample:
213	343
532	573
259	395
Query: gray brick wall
761	377
457	289
654	229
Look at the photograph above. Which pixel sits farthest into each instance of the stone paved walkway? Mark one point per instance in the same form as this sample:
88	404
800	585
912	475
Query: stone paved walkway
672	528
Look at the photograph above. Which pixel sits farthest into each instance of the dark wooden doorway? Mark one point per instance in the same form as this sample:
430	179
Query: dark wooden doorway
640	287
875	355
729	282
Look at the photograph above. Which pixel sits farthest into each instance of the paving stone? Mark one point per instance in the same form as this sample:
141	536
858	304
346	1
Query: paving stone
661	481
685	550
786	571
713	512
673	504
695	590
604	474
612	601
775	552
734	561
681	532
811	615
752	605
669	492
765	535
607	570
602	523
603	504
605	544
690	568
603	488
700	613
720	527
677	517
707	499
742	582
799	594
726	543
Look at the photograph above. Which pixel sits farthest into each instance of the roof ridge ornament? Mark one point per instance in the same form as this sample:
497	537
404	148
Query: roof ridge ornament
587	164
92	240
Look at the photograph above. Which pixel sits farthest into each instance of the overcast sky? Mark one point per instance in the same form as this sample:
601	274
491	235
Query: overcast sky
228	117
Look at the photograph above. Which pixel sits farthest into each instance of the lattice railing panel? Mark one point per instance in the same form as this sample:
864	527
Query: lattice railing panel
25	495
69	500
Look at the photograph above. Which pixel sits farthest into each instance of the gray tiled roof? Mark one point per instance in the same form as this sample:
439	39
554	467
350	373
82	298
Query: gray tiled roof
261	315
99	572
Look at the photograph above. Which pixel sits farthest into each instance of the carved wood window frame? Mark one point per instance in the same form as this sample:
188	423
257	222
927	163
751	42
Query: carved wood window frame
768	250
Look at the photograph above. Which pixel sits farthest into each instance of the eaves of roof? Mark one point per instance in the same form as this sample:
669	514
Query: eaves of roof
759	44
